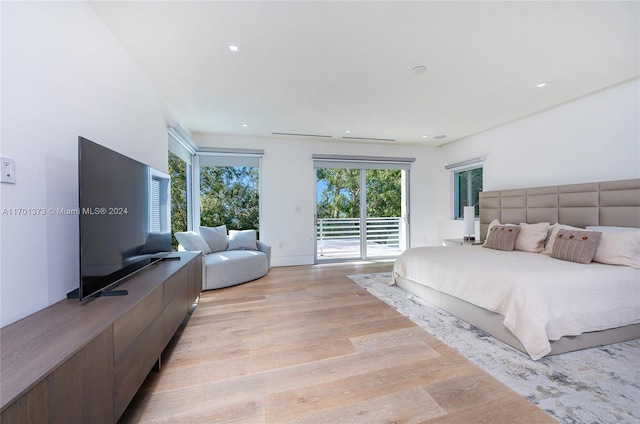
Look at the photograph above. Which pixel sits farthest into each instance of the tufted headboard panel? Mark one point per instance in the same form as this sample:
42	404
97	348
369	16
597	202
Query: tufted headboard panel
611	203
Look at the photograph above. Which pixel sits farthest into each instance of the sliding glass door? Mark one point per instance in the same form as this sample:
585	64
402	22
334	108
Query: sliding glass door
360	213
338	213
383	221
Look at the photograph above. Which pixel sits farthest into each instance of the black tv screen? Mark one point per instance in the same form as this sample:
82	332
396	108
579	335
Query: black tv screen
124	214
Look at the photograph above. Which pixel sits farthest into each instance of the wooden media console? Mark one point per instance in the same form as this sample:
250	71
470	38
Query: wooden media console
82	362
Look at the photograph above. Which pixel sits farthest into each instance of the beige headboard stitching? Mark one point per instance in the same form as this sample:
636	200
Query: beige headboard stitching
612	203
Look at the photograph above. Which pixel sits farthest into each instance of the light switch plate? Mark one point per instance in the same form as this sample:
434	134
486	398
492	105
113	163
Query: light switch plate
7	170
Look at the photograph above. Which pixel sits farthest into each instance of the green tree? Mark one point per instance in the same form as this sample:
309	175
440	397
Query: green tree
178	173
384	192
340	195
229	196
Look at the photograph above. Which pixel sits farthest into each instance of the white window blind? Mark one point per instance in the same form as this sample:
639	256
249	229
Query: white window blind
155	206
361	162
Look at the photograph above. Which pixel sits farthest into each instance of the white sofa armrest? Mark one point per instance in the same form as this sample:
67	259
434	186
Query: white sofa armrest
264	247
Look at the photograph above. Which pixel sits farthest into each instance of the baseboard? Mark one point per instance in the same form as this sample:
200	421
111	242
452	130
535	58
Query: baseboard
292	260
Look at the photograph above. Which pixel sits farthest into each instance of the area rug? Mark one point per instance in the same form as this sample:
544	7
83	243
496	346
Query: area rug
598	385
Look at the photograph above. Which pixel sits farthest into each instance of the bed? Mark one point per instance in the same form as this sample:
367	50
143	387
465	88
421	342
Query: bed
538	304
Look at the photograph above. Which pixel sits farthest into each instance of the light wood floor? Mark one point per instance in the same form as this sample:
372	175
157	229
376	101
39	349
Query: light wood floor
308	345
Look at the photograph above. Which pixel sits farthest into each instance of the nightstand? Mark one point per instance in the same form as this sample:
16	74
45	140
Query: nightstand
461	242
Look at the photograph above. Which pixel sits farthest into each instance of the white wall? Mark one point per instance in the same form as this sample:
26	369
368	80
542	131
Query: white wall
288	190
63	75
593	138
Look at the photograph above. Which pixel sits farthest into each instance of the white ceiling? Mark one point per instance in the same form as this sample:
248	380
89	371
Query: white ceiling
326	67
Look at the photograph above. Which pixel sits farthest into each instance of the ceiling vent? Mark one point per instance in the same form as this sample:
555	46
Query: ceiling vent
369	139
301	135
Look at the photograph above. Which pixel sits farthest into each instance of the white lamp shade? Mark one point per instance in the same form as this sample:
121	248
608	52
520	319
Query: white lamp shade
469	220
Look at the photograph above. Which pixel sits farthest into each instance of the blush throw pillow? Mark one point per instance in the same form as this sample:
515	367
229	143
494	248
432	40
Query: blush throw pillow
242	240
502	237
531	237
619	248
576	246
191	240
216	237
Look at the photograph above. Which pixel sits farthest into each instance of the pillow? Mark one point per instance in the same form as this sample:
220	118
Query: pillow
215	237
502	237
605	229
531	237
491	225
548	248
242	240
156	242
576	245
191	240
619	249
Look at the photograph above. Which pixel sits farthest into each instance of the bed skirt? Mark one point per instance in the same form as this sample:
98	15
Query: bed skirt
492	323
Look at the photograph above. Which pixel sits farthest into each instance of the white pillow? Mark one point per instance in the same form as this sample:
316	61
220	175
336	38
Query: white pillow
605	229
242	240
191	240
531	237
619	248
548	249
215	237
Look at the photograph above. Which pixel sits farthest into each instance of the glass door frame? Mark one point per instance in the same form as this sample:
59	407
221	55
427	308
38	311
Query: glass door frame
404	216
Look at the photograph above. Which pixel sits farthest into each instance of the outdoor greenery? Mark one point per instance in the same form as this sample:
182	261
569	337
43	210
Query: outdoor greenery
229	196
178	173
339	195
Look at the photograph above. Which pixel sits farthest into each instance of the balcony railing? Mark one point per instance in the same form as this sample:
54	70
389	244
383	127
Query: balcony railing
340	237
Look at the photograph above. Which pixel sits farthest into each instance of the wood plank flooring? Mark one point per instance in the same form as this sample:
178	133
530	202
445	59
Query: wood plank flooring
308	345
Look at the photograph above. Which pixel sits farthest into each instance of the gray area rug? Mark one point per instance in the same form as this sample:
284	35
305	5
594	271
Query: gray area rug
598	385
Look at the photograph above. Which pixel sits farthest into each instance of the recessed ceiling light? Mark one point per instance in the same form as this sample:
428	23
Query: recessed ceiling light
234	48
543	84
425	136
440	137
245	125
420	69
348	131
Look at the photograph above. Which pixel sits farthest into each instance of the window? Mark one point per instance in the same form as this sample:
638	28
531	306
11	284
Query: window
179	172
229	189
212	186
230	195
466	192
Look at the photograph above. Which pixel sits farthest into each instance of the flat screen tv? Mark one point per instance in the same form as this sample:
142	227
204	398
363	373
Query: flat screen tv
124	218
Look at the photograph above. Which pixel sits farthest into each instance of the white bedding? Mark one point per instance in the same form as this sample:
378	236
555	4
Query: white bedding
540	298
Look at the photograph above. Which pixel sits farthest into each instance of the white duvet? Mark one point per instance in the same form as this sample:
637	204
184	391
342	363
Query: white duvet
540	298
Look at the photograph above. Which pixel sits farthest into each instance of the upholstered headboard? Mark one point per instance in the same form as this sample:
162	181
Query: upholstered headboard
611	203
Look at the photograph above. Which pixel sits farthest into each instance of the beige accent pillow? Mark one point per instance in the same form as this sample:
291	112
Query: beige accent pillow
619	248
491	225
548	249
576	246
502	237
531	237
